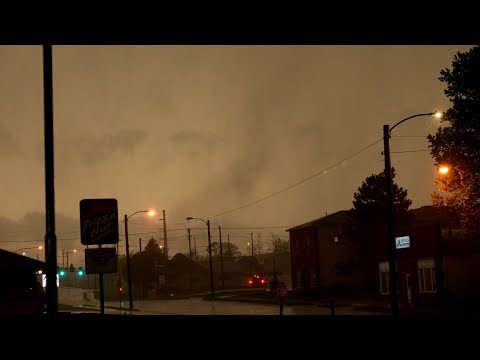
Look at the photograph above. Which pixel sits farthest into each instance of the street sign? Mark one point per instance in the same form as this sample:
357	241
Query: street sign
402	242
98	221
281	292
100	260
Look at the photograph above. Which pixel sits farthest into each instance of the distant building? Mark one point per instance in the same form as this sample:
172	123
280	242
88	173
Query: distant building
183	275
325	252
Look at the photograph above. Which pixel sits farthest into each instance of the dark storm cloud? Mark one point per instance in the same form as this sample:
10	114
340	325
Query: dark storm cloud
94	149
9	144
195	139
29	232
201	130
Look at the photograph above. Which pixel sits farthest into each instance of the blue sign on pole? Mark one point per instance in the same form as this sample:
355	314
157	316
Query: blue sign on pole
402	242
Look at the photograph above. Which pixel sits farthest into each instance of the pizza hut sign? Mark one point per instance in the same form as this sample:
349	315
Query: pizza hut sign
99	221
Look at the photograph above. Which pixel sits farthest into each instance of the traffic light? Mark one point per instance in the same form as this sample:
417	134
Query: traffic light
62	272
80	271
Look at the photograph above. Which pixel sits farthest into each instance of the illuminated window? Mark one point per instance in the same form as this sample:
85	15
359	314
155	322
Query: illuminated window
426	276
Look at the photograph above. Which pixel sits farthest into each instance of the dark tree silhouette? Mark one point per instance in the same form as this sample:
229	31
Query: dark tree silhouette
230	250
278	245
457	144
370	200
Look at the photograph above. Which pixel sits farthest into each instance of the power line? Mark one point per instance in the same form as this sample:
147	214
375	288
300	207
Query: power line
299	182
257	228
276	193
406	151
410	136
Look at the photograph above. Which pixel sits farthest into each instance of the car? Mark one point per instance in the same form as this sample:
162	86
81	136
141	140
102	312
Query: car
257	281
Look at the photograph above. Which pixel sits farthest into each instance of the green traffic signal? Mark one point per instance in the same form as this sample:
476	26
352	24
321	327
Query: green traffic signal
62	272
80	271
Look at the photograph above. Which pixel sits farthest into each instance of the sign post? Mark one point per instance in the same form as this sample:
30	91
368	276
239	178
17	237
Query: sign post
281	295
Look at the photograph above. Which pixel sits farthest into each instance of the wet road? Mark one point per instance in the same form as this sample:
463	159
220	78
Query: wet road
196	306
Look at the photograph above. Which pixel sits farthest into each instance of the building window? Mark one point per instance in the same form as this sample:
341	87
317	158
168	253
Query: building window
426	276
384	272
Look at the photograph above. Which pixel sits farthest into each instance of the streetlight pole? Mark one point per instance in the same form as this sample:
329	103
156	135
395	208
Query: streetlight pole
129	280
209	254
129	277
392	264
190	257
390	239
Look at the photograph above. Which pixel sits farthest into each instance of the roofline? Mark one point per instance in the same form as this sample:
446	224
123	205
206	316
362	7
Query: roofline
316	221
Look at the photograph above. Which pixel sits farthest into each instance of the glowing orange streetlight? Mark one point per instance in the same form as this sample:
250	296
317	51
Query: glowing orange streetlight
443	169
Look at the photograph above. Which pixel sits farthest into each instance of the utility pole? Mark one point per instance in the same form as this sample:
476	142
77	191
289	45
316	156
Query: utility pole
189	245
165	235
210	260
251	237
195	246
221	255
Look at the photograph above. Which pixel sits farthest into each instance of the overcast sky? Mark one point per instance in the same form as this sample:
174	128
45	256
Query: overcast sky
203	130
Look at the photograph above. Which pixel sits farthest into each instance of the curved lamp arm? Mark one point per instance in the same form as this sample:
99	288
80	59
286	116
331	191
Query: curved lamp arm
129	216
29	248
193	218
401	121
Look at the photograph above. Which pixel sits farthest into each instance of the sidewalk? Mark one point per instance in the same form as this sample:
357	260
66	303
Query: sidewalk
360	303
